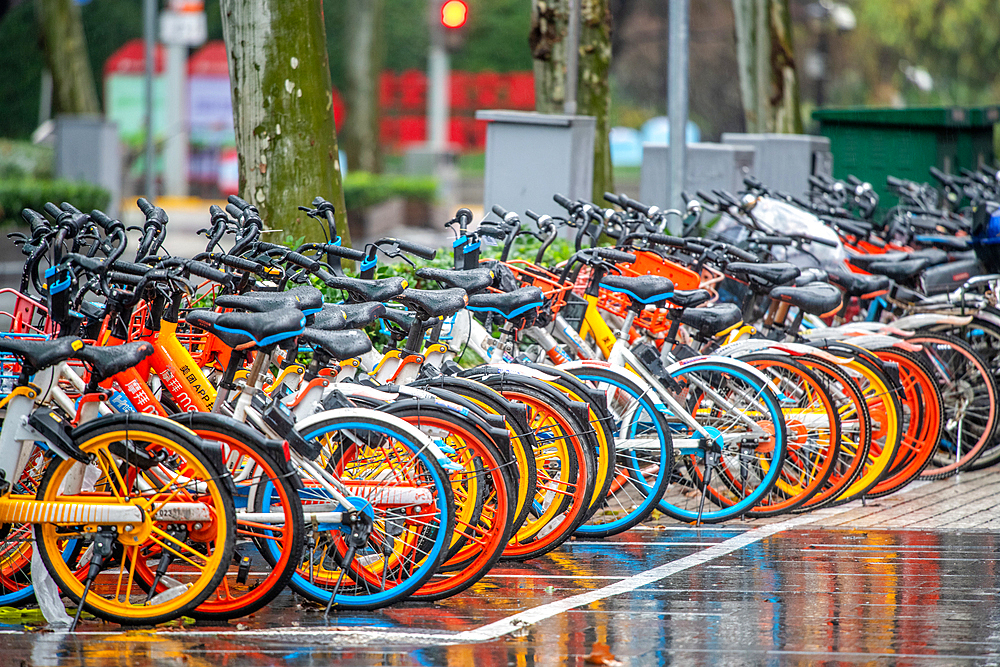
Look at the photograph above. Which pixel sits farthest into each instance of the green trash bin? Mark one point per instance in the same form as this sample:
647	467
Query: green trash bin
874	143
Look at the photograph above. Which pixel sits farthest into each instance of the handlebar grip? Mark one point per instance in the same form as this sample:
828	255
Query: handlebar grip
203	270
53	210
130	267
664	239
300	260
69	208
636	205
941	176
614	199
772	240
322	205
242	264
702	195
237	202
234	212
894	182
109	224
853	180
820	184
614	255
341	251
35	219
500	210
215	211
144	206
531	214
124	278
264	246
562	201
742	254
421	251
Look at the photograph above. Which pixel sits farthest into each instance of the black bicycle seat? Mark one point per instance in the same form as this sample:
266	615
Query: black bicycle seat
814	298
763	277
335	317
40	354
646	290
244	331
107	361
858	284
712	320
900	271
381	290
338	345
689	298
306	298
934	256
472	281
433	303
508	305
811	275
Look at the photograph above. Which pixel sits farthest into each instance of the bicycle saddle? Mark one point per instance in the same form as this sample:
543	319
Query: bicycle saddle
433	303
340	316
338	345
40	354
811	275
933	256
946	242
472	281
508	305
646	290
381	290
763	277
244	331
900	271
306	298
814	298
858	284
689	298
107	361
712	320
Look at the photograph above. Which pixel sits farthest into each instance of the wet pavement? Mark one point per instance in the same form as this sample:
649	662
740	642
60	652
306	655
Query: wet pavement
836	587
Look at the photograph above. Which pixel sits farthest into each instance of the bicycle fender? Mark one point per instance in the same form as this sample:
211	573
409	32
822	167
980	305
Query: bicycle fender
711	358
920	320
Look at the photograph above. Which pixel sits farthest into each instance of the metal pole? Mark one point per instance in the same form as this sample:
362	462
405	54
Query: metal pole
677	101
175	146
572	57
439	67
149	37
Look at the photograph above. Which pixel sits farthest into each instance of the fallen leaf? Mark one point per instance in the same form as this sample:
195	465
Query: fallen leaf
600	654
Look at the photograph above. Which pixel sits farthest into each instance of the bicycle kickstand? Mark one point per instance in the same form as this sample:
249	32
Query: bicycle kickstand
711	460
104	544
361	527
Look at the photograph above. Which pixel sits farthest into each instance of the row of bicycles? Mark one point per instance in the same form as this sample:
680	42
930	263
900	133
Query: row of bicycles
190	436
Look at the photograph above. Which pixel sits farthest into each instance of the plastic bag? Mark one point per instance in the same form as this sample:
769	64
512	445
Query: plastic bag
47	592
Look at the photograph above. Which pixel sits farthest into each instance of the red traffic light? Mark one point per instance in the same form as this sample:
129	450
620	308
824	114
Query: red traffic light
454	13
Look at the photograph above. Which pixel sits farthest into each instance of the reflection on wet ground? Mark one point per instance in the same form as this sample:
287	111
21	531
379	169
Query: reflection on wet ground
800	596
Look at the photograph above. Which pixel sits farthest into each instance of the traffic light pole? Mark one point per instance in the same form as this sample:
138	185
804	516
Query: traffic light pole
439	93
677	101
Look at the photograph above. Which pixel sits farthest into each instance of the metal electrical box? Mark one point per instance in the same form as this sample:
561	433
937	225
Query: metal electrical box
709	167
785	161
532	156
88	149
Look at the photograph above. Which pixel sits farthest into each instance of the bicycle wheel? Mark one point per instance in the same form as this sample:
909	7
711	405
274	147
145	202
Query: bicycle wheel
565	473
969	395
388	472
742	414
982	334
644	451
813	425
15	540
855	431
522	440
483	491
143	461
254	579
923	421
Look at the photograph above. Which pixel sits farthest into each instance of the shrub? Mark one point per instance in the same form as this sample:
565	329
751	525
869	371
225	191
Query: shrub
20	193
363	189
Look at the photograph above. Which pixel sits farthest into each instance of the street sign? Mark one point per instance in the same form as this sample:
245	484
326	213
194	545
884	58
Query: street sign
183	28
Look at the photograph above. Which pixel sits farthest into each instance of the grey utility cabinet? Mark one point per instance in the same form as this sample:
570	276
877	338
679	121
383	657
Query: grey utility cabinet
784	162
532	156
709	166
88	149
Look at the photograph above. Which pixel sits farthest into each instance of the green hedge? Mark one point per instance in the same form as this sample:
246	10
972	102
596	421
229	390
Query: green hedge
23	193
363	189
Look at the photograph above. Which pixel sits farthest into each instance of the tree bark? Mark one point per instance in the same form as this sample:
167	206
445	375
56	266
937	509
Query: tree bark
549	23
73	89
766	59
364	63
279	72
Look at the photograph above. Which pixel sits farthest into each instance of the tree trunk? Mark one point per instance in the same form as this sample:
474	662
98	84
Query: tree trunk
549	23
364	52
283	111
766	61
593	96
73	89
